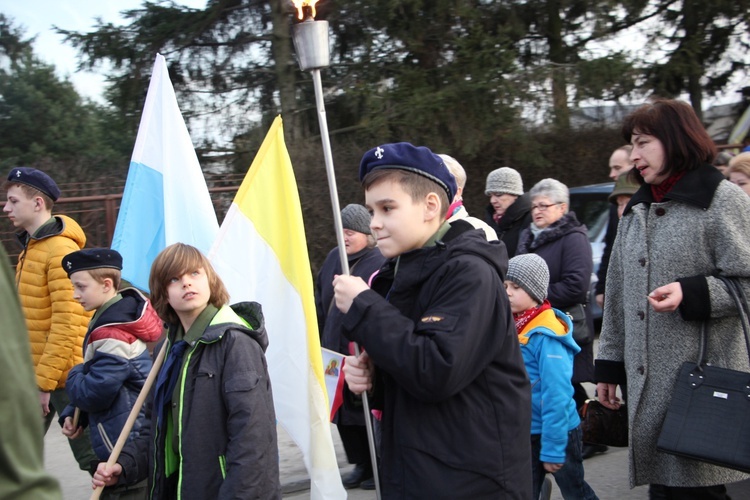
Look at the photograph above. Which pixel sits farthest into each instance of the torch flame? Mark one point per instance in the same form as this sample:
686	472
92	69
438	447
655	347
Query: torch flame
299	4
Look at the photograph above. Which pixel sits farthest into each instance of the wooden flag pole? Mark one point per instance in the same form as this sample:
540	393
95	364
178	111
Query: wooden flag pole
130	422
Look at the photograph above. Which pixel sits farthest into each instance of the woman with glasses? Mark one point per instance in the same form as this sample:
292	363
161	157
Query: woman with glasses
557	236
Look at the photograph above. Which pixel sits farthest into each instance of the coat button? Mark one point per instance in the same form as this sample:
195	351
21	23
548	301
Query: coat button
642	261
660	211
641	315
641	370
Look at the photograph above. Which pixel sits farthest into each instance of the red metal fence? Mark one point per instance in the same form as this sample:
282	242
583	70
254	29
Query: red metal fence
95	205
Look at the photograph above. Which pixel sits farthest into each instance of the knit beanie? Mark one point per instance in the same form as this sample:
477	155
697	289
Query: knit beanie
356	217
530	272
504	180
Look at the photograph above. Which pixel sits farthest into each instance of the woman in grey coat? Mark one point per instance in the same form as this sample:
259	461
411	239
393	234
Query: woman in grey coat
684	226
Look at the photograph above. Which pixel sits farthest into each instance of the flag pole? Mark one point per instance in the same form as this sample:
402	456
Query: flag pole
130	422
311	41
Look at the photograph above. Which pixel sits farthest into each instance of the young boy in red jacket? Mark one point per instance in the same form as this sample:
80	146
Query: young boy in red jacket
115	353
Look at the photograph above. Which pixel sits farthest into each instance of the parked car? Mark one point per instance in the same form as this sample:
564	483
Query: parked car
591	206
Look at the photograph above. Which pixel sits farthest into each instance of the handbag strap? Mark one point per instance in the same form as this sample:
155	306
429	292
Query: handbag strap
740	301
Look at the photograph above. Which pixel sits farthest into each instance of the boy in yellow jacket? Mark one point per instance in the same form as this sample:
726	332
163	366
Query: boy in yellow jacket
57	323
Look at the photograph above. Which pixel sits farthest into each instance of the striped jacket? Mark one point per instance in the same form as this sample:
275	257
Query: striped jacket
116	365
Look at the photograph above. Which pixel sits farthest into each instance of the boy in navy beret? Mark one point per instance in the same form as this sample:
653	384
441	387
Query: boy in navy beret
116	357
57	323
440	351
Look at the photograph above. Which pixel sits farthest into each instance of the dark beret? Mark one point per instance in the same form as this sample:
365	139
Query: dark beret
417	159
91	258
36	179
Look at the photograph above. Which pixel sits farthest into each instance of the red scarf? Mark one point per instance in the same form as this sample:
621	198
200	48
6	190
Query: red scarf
523	318
453	208
659	191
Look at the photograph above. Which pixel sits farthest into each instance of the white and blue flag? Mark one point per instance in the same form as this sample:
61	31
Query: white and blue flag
166	199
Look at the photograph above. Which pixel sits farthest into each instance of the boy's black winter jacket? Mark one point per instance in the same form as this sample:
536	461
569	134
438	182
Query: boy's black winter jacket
228	438
450	377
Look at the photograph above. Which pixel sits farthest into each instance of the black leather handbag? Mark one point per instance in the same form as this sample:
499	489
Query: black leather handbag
709	416
582	334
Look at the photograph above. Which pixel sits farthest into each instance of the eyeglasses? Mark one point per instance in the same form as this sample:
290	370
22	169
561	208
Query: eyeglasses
543	208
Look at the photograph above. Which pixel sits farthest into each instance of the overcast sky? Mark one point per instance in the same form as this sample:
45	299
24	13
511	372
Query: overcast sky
38	16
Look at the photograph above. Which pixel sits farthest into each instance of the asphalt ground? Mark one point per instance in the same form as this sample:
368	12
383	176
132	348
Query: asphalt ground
607	473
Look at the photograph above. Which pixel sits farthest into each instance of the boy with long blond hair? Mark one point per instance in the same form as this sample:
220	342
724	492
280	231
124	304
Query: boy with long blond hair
213	426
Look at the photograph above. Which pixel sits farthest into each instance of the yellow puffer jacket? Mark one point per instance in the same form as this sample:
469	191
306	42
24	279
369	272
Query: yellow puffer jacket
57	323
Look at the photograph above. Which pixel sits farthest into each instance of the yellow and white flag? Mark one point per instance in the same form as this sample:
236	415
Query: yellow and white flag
261	255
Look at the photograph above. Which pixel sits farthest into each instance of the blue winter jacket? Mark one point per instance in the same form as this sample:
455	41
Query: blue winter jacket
116	364
548	348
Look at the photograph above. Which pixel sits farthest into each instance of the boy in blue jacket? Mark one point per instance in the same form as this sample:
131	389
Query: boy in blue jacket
547	345
440	347
116	360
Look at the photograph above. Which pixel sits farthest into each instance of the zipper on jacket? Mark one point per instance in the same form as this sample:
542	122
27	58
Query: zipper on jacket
156	440
21	261
223	466
185	366
105	438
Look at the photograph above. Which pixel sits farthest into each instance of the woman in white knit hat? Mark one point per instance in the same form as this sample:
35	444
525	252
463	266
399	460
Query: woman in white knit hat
509	210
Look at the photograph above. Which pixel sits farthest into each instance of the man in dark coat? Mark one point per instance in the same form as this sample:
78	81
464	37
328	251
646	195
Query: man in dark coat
619	163
509	210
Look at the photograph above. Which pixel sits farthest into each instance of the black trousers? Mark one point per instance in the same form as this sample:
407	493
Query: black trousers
354	439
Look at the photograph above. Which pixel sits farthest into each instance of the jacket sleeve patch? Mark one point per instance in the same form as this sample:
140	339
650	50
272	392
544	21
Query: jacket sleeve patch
436	322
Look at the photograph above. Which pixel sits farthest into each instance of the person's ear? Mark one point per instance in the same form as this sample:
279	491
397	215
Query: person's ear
432	206
38	203
108	284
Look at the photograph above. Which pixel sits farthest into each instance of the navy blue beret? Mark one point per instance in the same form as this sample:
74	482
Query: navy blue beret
91	258
417	159
36	179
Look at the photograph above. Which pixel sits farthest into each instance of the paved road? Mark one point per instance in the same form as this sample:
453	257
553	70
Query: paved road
607	473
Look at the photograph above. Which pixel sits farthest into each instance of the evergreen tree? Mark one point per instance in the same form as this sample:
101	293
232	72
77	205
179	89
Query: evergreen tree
43	118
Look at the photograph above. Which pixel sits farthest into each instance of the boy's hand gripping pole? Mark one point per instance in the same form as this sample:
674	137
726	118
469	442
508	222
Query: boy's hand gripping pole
130	422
